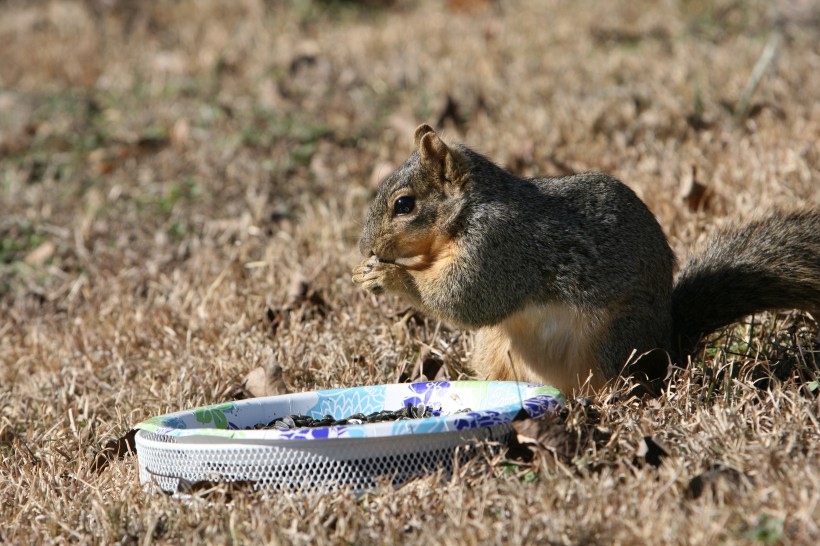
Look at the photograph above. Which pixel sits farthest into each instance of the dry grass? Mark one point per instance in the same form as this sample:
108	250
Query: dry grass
169	167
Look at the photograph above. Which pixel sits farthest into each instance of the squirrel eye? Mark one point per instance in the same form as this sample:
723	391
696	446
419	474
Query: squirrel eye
404	205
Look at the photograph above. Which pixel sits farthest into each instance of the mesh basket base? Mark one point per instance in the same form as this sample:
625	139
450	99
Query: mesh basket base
358	464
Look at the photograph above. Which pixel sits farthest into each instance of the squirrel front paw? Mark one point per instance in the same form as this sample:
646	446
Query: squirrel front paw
374	276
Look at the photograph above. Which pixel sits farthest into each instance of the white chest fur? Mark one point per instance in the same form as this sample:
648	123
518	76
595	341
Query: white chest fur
552	343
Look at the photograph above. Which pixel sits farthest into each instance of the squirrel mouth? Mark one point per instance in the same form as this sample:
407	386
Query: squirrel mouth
410	262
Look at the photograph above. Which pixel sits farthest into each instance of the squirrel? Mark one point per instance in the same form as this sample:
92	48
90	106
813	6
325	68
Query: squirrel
566	279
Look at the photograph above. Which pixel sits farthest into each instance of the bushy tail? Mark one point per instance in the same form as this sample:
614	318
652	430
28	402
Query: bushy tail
768	263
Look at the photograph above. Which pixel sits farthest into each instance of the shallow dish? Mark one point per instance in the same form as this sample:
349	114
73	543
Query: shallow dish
217	443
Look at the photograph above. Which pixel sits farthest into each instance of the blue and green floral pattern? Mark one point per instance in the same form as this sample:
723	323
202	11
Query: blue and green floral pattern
490	403
216	414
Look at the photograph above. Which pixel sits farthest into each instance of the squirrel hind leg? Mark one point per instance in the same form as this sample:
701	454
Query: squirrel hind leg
636	345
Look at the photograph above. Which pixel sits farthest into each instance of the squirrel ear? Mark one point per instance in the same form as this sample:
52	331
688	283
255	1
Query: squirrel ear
435	152
421	130
432	148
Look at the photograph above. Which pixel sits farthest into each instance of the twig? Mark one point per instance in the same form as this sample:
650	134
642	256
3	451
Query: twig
768	58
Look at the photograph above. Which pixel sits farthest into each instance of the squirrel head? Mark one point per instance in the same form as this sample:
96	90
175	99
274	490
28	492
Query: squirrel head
416	206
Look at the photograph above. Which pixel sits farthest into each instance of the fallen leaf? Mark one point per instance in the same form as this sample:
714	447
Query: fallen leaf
114	450
265	380
180	133
717	481
651	451
548	433
697	196
151	144
40	254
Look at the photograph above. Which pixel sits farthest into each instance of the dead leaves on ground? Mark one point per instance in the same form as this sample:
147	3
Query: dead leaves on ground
562	437
565	439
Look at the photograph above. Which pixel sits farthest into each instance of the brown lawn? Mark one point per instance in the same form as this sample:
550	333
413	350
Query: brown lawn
169	170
